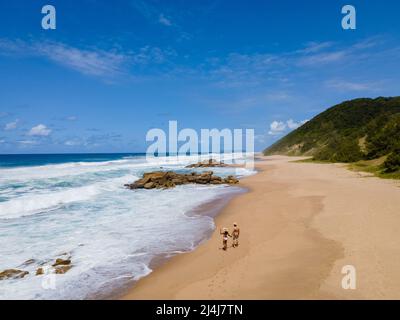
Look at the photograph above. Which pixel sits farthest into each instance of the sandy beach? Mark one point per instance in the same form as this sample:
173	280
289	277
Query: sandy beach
300	224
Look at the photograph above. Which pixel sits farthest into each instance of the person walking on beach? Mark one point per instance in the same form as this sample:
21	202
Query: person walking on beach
225	234
235	235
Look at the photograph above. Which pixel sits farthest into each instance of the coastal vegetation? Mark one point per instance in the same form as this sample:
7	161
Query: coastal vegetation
364	132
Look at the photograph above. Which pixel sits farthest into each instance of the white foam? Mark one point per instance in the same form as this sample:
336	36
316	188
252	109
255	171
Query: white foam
112	233
38	203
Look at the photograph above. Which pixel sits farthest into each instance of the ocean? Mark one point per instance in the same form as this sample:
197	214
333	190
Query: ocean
76	205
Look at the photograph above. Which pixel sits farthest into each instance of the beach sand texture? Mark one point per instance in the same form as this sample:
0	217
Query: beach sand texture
300	224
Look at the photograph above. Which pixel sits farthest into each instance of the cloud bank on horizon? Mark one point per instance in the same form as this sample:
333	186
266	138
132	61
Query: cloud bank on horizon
109	73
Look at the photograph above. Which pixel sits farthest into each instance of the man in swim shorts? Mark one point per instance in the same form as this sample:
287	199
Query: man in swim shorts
235	235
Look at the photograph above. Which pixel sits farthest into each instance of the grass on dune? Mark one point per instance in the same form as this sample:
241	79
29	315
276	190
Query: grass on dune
374	167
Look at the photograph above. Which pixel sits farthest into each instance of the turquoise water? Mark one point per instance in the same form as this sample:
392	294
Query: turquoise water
18	160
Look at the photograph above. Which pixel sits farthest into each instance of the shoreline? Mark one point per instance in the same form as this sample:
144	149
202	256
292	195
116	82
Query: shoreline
300	224
211	209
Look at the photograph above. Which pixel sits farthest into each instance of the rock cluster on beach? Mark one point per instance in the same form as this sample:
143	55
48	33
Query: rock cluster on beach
207	164
59	266
170	179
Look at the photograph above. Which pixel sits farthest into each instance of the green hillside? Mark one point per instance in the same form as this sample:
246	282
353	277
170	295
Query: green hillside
356	130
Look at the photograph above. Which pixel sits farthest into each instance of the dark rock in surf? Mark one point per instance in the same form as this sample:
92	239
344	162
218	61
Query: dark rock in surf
28	262
39	271
170	179
207	164
62	269
61	266
61	262
13	274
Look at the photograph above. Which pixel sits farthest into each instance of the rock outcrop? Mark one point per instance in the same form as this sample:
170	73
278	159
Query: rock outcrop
207	164
39	271
61	262
62	269
13	274
170	179
59	266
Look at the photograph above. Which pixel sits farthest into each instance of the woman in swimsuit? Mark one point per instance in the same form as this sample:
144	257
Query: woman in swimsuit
225	234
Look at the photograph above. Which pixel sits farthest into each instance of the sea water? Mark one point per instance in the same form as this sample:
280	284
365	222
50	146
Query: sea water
78	205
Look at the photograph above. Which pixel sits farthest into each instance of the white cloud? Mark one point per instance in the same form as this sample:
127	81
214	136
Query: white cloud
71	118
164	20
256	69
344	85
276	127
313	47
11	125
324	58
39	130
294	125
71	143
147	55
370	42
93	61
89	62
279	127
353	53
28	142
291	124
280	70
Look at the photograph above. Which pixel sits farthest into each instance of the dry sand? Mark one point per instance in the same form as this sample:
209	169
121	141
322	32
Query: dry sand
300	224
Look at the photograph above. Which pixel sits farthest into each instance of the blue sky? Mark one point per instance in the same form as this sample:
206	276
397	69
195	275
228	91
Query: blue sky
113	70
